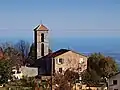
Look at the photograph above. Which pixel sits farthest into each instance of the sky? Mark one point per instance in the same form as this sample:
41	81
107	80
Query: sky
65	19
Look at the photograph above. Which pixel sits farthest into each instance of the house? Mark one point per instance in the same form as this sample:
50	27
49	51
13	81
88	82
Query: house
60	61
114	82
64	59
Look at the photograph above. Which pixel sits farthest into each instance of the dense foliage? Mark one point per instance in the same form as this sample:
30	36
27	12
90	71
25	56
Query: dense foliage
5	71
11	55
99	68
65	81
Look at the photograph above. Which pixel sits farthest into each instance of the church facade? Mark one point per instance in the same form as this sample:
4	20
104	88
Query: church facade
58	61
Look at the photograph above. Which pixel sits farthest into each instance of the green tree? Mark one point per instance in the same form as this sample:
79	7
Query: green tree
11	57
90	77
99	68
5	71
32	52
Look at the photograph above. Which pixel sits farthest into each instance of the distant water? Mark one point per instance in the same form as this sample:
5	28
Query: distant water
87	44
109	46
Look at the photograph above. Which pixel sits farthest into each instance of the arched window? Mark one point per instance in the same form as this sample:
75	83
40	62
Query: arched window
42	49
42	37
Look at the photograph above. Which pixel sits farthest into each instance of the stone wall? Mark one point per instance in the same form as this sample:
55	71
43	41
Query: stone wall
71	60
29	71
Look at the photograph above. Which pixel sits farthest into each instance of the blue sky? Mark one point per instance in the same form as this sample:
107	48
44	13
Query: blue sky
65	18
81	25
68	19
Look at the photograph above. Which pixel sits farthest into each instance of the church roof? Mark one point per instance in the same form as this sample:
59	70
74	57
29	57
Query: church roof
59	52
41	27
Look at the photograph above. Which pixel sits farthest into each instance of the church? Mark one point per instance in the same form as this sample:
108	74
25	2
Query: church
55	62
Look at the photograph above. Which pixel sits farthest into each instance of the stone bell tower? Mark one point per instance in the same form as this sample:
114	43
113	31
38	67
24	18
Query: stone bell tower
41	41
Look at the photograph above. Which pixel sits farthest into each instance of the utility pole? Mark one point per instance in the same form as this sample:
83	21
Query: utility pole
51	71
79	66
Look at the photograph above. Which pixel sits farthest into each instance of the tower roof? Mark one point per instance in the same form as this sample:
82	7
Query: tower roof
41	27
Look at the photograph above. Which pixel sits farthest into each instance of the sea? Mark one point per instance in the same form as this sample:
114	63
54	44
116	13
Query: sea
109	46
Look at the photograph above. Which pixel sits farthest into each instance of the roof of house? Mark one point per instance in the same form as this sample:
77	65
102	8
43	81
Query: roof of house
55	54
114	74
59	52
41	27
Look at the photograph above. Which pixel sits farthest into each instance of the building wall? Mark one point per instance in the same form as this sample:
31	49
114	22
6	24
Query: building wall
110	82
24	71
46	43
70	60
29	71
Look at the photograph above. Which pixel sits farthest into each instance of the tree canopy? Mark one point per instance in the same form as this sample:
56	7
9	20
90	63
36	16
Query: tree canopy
65	81
99	68
5	71
10	56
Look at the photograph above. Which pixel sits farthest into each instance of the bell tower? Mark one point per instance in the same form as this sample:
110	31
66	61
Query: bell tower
41	41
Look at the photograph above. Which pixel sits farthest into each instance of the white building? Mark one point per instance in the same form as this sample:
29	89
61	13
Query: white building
16	74
24	71
29	71
114	82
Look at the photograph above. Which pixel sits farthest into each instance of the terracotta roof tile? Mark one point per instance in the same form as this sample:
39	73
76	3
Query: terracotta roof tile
59	52
41	27
54	54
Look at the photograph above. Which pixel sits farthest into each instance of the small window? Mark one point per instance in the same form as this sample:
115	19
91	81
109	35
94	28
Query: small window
114	82
42	49
61	60
42	37
60	70
81	60
80	69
